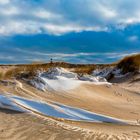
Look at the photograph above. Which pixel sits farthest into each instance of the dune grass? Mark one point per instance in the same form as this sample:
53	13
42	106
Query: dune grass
31	70
127	64
130	64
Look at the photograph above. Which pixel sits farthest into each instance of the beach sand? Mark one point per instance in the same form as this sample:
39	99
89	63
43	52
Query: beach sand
118	100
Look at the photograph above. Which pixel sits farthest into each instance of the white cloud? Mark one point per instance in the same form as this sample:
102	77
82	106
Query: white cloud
107	12
74	55
58	29
133	38
17	27
27	56
3	2
62	16
10	11
43	13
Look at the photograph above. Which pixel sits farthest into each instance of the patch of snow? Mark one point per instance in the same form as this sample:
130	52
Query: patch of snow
92	78
63	111
102	72
54	110
60	79
53	73
118	73
61	83
105	72
6	103
38	83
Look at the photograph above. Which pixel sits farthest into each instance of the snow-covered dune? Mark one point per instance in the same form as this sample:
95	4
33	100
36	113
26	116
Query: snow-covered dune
60	79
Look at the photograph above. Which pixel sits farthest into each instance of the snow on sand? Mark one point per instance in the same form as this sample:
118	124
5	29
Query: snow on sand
60	79
53	110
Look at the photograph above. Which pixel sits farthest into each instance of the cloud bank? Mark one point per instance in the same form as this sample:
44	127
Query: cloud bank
25	56
63	16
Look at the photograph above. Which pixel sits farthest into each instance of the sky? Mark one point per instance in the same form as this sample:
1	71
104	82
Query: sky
76	31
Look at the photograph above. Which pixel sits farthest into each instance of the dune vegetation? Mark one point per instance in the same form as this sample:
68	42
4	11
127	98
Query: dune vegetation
130	64
127	64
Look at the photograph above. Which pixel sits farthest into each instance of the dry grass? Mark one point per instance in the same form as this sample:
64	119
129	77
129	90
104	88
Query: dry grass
127	64
30	70
130	63
1	75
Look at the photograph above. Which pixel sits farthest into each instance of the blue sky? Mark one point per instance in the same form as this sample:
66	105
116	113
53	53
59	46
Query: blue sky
77	31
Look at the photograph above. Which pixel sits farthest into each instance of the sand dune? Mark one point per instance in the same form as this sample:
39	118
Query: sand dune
73	114
15	126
